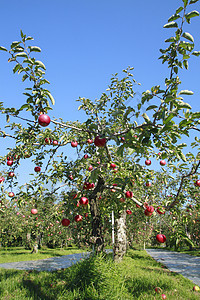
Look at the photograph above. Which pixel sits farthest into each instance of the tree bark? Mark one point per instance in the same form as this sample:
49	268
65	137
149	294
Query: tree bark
97	238
120	246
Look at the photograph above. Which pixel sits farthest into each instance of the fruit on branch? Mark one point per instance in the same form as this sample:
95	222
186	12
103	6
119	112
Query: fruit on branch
147	162
161	238
148	184
71	177
65	222
27	155
90	168
9	158
86	156
89	141
99	142
137	205
147	213
78	218
11	174
129	212
34	211
162	162
115	170
48	141
74	144
150	209
112	166
9	162
2	179
55	143
44	120
83	201
160	210
123	139
37	169
75	196
129	194
197	183
158	290
11	194
164	296
88	185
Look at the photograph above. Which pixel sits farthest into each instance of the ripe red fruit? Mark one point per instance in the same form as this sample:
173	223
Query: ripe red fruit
48	141
37	169
147	162
9	158
2	179
161	238
158	290
78	218
11	194
162	162
112	165
90	141
55	143
115	170
88	185
147	213
74	196
9	162
129	212
11	174
129	194
74	144
44	120
65	222
34	211
137	205
71	177
148	183
164	296
90	168
197	183
150	209
83	201
160	210
99	142
122	139
86	156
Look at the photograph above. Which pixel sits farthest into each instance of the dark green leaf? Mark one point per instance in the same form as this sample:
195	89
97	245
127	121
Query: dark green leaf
21	54
25	76
196	53
39	63
17	67
34	48
173	17
29	38
192	14
50	97
168	118
186	92
7	118
188	36
179	9
193	1
3	48
170	25
151	107
185	2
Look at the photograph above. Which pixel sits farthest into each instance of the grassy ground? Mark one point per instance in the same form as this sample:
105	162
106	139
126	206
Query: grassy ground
20	254
98	278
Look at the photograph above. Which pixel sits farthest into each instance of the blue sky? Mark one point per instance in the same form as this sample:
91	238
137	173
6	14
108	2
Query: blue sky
84	42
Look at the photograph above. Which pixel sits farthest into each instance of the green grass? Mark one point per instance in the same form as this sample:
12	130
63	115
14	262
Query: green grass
98	278
20	254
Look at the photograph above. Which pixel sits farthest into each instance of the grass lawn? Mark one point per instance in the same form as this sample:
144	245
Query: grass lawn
99	278
20	254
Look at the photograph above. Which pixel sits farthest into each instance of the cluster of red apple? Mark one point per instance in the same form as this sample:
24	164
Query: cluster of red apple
49	141
148	162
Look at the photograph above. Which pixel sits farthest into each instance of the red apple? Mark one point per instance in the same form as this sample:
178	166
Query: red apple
147	213
11	194
71	177
90	168
129	212
65	222
123	139
162	162
158	290
137	205
44	120
90	141
164	296
112	166
78	218
11	174
161	238
9	158
74	144
147	162
83	201
197	183
34	211
99	142
88	185
150	209
37	169
55	143
115	170
160	210
9	162
86	156
129	194
48	141
2	179
75	196
148	183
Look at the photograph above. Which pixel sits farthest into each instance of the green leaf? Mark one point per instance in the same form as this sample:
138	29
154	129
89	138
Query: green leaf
196	53
7	118
120	151
50	97
186	92
168	118
39	63
192	14
179	9
188	36
21	54
151	107
170	25
25	76
146	117
17	67
29	38
34	48
185	2
193	1
94	175
185	63
173	17
3	48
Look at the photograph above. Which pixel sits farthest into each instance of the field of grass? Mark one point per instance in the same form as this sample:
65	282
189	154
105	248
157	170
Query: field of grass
99	278
20	254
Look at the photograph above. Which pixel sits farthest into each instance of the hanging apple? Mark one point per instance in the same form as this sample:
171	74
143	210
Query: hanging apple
99	142
148	184
150	209
9	162
55	143
89	141
74	144
2	179
129	212
78	218
48	141
37	169
34	211
112	166
83	201
162	162
11	194
65	222
44	120
197	183
160	210
147	162
11	174
90	168
161	238
129	194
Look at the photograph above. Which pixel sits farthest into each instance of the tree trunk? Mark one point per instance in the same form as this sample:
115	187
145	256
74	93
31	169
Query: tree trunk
97	235
120	246
35	248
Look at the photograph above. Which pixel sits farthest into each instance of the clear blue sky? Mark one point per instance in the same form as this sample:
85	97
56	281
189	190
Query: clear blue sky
84	42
